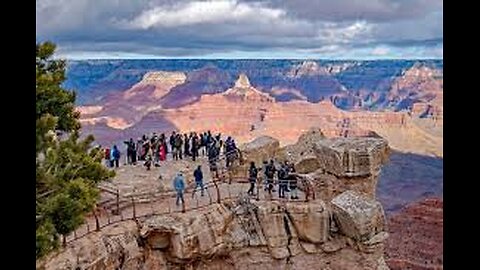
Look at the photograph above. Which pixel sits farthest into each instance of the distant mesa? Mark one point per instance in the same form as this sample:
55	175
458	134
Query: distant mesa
312	68
163	77
161	82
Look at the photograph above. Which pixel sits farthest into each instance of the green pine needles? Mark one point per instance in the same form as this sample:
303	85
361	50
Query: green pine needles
67	170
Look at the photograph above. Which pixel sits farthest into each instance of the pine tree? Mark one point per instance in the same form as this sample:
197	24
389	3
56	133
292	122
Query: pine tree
67	170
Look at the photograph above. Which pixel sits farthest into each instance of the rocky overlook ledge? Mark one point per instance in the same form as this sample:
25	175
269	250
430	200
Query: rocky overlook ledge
340	226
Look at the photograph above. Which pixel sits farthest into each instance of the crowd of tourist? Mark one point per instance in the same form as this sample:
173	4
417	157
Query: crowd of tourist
155	148
152	150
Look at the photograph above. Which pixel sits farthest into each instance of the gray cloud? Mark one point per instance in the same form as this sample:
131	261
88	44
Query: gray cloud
369	10
195	28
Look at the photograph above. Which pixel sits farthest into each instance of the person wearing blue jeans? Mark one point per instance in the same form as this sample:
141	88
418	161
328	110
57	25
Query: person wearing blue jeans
198	180
179	185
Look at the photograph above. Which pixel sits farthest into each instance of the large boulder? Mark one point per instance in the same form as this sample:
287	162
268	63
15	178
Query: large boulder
311	221
189	235
357	216
278	229
114	248
260	149
302	154
352	157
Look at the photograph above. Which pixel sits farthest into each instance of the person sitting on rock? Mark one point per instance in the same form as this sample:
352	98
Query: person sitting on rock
252	177
198	175
179	186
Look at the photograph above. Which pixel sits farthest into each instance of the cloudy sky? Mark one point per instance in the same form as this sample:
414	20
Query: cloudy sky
325	29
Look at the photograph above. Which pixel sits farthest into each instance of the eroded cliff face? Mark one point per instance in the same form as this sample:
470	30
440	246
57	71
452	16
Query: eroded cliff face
341	227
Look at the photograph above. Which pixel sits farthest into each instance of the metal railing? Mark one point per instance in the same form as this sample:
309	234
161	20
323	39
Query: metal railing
136	207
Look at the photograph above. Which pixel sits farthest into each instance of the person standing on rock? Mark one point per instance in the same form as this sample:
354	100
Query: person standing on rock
292	179
265	178
252	177
179	186
186	145
162	150
172	144
270	173
148	159
178	145
282	181
195	146
131	154
198	175
115	156
212	160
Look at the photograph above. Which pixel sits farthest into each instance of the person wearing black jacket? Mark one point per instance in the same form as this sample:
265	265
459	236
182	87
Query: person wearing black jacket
282	181
198	175
252	177
195	146
172	146
270	174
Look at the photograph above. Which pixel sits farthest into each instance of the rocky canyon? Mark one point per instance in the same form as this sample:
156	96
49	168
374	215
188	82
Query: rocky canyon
400	102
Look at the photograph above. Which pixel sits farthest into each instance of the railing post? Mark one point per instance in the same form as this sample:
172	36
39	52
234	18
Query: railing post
97	223
209	196
118	202
64	241
183	205
134	212
218	191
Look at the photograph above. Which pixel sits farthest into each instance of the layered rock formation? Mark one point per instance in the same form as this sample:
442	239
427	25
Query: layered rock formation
345	230
246	113
125	109
420	89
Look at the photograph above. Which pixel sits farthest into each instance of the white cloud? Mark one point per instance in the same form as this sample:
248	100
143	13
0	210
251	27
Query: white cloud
202	12
380	51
